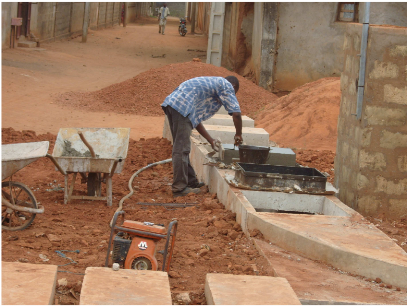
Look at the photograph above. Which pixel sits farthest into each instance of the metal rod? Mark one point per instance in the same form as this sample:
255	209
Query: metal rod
125	229
88	198
116	215
39	210
168	204
362	67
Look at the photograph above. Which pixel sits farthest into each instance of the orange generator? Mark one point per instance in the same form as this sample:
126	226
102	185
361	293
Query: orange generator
135	244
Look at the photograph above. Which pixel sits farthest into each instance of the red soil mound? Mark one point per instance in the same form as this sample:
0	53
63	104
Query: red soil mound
143	94
306	118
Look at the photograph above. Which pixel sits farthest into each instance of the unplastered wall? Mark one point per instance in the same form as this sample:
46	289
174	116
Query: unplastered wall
371	159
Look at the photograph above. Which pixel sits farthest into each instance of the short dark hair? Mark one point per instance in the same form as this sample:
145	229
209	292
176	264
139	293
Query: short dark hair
234	81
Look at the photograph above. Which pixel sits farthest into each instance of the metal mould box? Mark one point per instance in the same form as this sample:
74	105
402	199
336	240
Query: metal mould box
268	176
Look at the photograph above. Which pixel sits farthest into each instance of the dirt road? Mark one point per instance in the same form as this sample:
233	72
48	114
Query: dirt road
32	77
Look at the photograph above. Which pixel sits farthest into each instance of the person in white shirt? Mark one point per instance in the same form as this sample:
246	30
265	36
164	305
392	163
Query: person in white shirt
162	18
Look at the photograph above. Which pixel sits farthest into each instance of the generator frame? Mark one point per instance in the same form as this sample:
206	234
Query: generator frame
171	234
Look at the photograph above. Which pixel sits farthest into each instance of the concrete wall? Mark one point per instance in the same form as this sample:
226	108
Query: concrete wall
139	9
58	20
309	44
177	9
391	13
371	160
8	11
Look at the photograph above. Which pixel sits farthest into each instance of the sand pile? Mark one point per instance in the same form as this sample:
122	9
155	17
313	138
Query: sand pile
143	94
306	118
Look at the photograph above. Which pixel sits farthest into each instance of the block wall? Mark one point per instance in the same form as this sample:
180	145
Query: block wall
371	157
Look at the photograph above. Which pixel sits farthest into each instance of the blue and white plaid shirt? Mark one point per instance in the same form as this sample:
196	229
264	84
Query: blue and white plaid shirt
200	98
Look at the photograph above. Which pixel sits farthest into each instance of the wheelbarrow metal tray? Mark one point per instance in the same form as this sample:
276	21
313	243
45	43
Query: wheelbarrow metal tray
269	176
18	155
109	144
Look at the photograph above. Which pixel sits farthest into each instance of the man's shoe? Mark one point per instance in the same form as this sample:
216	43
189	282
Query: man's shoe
185	192
197	185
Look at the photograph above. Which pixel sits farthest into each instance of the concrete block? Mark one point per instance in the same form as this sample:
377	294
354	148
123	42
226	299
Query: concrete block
402	163
227	120
391	187
398	51
356	42
228	289
28	284
366	137
385	116
373	161
391	140
368	204
27	44
251	136
383	70
398	207
222	111
395	95
103	286
362	181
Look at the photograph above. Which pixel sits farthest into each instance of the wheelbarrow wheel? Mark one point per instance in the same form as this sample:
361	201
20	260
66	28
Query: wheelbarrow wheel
18	194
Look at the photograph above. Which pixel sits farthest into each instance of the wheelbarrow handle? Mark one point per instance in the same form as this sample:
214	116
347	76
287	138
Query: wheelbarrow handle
56	163
39	210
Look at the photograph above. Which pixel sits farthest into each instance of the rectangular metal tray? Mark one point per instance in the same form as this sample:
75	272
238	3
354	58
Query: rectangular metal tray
269	176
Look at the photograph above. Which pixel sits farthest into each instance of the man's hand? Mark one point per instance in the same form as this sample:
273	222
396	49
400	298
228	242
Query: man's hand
215	144
238	140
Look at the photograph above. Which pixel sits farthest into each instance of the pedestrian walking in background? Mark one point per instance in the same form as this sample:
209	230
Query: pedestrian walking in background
162	18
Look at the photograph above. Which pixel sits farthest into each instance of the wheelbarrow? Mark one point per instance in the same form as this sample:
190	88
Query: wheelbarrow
19	205
96	154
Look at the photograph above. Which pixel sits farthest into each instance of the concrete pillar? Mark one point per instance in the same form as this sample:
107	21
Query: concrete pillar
85	22
193	17
268	45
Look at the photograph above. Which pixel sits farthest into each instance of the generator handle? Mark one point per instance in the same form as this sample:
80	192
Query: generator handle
116	215
170	233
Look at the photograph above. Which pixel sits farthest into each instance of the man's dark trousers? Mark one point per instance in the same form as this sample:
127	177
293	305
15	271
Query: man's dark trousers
181	128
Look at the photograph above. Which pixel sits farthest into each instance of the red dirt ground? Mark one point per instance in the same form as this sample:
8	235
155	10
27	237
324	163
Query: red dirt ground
143	94
306	118
84	225
31	81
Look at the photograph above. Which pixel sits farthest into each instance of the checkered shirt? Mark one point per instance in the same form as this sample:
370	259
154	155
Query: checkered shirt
200	98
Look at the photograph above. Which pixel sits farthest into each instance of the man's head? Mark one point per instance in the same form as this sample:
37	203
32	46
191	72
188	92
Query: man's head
234	81
165	4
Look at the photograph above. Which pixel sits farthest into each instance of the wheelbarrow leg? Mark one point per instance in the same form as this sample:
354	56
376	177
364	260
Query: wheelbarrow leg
109	190
66	189
94	184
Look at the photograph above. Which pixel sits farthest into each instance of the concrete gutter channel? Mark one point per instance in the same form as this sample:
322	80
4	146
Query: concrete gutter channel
337	235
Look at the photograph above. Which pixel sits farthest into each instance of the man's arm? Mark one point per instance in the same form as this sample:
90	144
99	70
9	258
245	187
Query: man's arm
237	121
201	130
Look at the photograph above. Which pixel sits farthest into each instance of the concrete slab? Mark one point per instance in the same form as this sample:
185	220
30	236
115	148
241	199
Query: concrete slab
217	119
27	284
251	136
103	286
354	246
27	44
344	239
276	157
227	120
315	283
222	111
228	289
